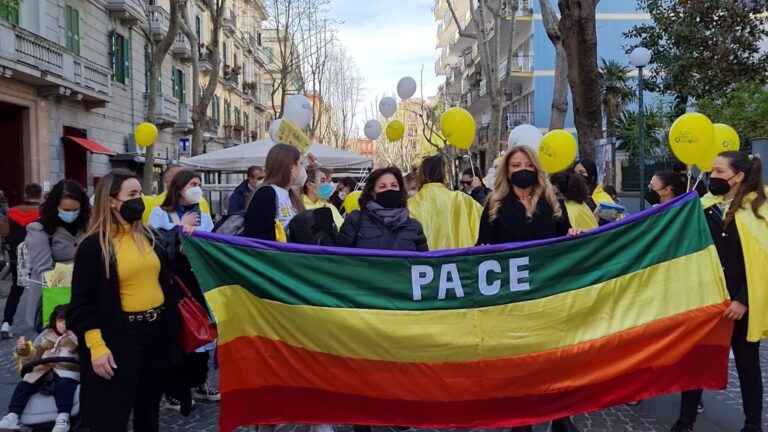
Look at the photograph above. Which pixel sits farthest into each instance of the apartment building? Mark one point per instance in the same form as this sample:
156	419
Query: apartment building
529	84
74	84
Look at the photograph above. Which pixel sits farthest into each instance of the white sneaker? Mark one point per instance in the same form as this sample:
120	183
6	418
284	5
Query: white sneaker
62	423
322	428
5	331
207	393
10	422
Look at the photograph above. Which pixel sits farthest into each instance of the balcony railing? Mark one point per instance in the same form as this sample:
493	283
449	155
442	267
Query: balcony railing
516	119
166	108
524	8
184	123
159	20
126	10
519	64
56	64
205	62
180	48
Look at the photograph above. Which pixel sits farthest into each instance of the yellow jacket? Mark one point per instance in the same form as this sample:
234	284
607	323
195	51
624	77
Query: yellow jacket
580	216
599	195
152	201
309	205
753	233
450	219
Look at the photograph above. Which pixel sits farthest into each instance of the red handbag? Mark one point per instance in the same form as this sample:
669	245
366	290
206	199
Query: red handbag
196	327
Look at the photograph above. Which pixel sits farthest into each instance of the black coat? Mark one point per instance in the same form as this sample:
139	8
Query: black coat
728	244
363	230
96	303
512	224
260	216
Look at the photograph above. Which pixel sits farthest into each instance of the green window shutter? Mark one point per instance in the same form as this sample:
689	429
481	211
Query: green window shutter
175	90
183	86
76	30
68	25
113	54
126	60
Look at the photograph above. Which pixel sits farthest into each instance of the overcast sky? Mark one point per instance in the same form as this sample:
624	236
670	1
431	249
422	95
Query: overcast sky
388	40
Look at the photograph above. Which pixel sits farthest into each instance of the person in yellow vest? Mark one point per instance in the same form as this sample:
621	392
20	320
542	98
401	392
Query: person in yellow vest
451	219
574	191
737	216
316	192
152	201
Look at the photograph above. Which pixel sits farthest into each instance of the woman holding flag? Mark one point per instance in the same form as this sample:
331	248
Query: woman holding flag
524	207
737	215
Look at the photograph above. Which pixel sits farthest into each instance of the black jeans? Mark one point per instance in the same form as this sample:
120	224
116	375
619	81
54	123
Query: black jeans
143	362
64	394
747	358
12	303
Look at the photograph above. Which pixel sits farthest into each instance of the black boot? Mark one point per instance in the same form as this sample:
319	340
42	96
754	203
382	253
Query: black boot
681	426
564	425
522	429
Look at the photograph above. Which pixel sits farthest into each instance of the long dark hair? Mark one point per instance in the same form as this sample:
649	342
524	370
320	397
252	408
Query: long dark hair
752	167
572	186
432	170
178	183
49	211
367	194
591	168
277	170
678	181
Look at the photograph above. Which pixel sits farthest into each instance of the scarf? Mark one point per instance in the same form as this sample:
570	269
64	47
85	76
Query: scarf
390	217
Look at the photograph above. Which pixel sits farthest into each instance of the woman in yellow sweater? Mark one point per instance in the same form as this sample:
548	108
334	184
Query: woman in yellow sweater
124	307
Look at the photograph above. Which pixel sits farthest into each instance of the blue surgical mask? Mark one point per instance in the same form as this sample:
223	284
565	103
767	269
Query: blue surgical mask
324	191
68	216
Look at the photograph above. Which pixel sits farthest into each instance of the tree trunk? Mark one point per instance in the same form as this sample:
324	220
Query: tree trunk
157	57
577	20
560	88
197	122
200	109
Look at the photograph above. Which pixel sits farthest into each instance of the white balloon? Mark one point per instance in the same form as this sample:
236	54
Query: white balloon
273	129
527	135
406	87
387	106
372	129
298	109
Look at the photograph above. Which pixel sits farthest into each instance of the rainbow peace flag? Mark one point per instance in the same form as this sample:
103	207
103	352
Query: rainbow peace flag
484	337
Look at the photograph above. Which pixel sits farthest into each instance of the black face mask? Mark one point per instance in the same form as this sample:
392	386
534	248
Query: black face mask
132	210
389	199
653	197
719	186
524	178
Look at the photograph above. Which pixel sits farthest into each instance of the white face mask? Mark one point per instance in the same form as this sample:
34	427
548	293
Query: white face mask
342	195
302	178
193	194
412	193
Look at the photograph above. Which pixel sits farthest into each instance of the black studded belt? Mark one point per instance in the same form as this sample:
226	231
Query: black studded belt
145	316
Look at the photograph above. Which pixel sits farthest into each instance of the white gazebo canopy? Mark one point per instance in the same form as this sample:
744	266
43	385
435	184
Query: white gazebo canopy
239	158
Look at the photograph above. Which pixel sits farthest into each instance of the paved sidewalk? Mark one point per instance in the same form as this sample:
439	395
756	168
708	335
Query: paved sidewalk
722	414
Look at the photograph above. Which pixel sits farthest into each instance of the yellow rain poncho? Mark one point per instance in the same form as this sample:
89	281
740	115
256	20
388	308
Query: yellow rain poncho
599	195
753	233
580	216
450	219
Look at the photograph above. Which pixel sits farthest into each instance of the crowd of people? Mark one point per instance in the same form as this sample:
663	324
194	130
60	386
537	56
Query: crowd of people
124	247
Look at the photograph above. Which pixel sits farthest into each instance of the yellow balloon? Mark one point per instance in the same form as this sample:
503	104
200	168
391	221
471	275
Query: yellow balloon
557	150
145	134
726	139
690	137
352	202
395	130
458	127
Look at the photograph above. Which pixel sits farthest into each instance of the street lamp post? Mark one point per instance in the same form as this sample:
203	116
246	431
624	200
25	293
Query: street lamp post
640	57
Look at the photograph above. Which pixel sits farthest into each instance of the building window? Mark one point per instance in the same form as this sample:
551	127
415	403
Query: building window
237	116
270	55
121	58
235	64
179	82
227	113
9	11
246	123
215	110
224	53
72	24
147	64
199	29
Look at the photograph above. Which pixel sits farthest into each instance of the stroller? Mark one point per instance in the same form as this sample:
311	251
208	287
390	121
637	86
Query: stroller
40	412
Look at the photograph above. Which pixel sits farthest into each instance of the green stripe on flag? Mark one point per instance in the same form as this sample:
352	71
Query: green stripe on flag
386	283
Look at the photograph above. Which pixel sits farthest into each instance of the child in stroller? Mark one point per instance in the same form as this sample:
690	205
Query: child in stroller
54	371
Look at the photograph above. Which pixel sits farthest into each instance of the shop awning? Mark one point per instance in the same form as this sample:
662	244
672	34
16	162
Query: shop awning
91	146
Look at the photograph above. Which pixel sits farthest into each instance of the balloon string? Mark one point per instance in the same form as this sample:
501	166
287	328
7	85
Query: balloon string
688	187
699	179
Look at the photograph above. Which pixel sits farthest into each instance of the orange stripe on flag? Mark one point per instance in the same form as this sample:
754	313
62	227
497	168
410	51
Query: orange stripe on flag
256	362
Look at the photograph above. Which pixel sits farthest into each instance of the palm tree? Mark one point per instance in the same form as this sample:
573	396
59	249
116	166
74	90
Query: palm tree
616	90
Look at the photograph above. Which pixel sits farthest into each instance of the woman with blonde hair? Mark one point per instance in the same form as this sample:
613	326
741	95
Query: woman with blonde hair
524	204
524	207
124	308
